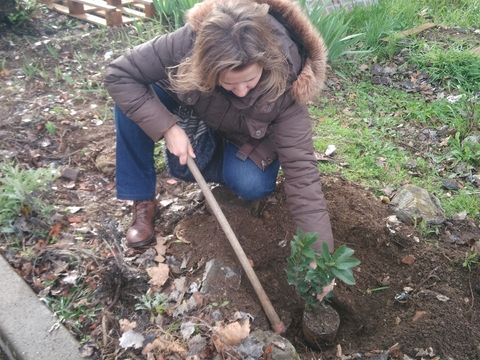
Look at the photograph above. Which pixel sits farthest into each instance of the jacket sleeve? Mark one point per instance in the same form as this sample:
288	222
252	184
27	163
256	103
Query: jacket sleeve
293	138
127	79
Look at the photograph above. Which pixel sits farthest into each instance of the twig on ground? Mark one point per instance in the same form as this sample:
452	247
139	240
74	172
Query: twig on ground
116	296
471	292
104	330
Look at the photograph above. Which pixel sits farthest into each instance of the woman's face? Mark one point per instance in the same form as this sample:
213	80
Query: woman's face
242	81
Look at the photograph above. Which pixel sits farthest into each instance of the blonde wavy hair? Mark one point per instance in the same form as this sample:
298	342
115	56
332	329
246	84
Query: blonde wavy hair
234	35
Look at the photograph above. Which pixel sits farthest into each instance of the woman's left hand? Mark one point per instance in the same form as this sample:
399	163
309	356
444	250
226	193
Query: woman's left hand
326	290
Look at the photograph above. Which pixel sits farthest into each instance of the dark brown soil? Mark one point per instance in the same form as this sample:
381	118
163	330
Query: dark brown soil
371	319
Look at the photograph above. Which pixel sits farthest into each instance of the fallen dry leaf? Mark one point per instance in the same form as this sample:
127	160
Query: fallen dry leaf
169	347
266	353
55	230
159	274
231	333
160	248
131	338
126	325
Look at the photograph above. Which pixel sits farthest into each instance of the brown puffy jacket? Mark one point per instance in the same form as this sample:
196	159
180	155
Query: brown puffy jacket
263	131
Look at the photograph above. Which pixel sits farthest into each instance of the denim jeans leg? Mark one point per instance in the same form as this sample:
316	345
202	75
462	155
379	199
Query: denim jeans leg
135	167
245	178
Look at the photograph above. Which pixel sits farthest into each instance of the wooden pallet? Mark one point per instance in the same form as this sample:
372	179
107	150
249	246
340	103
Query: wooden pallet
106	13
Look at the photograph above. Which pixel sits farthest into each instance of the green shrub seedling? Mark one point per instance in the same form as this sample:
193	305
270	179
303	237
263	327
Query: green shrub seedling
309	281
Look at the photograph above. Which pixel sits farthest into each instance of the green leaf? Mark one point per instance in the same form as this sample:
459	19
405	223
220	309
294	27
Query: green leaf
344	275
321	263
342	252
309	253
347	263
325	252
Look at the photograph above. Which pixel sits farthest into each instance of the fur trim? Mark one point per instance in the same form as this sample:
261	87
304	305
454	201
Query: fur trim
310	80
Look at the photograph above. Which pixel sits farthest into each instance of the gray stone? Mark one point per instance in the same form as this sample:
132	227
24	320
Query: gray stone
253	346
106	164
220	277
418	203
472	139
70	174
450	184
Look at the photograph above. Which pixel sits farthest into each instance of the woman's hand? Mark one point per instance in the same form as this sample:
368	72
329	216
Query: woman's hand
326	289
178	143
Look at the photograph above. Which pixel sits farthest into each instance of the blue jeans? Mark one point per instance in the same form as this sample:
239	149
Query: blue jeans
135	167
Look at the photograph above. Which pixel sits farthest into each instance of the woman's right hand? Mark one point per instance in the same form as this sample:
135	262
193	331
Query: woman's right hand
178	143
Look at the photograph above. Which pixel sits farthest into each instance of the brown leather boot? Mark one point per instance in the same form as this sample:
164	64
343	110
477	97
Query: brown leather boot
141	231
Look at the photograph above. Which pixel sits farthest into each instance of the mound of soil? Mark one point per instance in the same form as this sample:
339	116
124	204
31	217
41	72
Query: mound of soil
439	312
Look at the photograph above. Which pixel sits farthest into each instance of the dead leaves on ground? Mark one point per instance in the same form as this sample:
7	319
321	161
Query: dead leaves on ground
159	274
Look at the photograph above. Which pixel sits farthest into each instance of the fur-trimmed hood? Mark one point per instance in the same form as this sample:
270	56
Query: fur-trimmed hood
310	80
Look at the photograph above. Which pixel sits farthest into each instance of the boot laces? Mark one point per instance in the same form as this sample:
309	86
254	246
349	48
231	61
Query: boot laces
140	209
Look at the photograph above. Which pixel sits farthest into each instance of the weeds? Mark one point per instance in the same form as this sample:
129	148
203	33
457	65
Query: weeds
20	194
334	29
470	261
152	302
173	11
75	309
51	128
456	67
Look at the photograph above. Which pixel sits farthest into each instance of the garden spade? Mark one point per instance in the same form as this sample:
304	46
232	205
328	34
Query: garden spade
276	323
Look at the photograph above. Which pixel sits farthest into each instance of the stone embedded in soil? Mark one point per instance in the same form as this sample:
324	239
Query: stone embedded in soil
70	174
418	203
409	259
420	315
260	342
220	277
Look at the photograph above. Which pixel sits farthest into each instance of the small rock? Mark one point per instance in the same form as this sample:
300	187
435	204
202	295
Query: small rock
218	276
415	202
70	174
409	259
477	289
420	315
450	184
258	340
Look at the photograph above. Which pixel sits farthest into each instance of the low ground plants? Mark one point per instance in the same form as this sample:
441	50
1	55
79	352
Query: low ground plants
21	194
74	308
334	27
173	11
471	260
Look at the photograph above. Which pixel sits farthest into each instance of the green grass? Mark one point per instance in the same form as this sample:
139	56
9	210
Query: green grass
378	133
454	66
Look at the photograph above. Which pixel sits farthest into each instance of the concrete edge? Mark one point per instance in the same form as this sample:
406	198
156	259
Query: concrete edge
28	329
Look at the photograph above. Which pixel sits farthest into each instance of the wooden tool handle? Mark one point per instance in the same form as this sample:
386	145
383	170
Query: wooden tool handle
277	325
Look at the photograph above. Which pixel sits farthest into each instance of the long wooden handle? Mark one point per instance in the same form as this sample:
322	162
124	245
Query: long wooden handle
277	324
